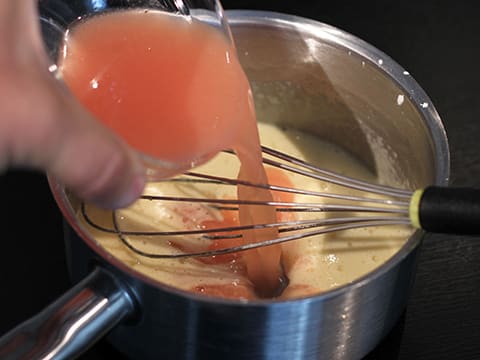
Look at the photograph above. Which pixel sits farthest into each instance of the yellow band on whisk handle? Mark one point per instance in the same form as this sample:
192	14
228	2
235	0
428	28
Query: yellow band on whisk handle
414	208
446	210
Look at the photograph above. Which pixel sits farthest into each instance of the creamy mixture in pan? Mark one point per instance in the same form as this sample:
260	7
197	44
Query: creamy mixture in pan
312	265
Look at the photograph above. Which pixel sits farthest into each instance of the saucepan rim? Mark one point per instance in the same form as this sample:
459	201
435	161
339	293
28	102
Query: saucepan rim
369	53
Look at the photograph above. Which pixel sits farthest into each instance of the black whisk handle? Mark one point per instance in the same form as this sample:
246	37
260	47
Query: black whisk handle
448	210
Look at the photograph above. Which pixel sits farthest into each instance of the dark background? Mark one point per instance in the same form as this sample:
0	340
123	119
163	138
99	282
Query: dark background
437	42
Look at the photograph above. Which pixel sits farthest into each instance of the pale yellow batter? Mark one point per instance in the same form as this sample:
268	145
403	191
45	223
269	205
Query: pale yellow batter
313	265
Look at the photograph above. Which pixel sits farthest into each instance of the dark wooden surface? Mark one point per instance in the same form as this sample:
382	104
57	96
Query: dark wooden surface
438	42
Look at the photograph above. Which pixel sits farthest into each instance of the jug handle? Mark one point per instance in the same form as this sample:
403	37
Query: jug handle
72	323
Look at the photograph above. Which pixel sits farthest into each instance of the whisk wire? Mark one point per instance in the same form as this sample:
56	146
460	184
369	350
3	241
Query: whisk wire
228	181
325	175
333	226
392	208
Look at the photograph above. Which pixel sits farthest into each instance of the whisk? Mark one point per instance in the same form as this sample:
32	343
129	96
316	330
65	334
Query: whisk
433	209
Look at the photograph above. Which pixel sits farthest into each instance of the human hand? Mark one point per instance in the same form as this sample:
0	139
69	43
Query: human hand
42	126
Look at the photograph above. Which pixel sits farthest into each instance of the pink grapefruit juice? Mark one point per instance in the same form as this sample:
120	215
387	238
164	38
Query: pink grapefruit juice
173	89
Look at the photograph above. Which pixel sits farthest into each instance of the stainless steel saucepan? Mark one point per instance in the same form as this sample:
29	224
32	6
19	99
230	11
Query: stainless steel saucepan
339	88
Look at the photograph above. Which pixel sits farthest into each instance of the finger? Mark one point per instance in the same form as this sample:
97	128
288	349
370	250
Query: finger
92	161
48	129
43	126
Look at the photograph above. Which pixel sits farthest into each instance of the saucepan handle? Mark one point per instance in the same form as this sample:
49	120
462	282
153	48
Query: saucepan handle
75	321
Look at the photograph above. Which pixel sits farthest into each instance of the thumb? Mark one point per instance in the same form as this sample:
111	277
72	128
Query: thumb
48	129
43	126
91	160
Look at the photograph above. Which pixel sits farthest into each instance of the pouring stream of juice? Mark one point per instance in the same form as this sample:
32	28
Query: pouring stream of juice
173	88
